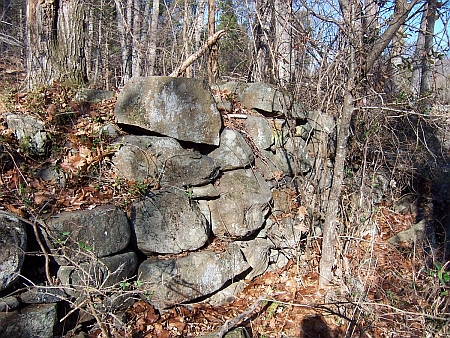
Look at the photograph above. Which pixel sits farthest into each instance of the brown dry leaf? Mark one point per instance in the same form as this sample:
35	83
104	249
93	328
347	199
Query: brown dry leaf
178	323
302	212
40	198
14	210
278	175
73	163
161	332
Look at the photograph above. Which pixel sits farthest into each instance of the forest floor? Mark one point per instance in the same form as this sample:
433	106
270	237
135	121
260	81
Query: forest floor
381	291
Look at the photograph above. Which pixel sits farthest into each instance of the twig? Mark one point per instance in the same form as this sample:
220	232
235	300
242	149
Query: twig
229	324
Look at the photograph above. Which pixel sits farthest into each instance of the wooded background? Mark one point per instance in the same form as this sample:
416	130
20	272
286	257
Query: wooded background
297	43
348	58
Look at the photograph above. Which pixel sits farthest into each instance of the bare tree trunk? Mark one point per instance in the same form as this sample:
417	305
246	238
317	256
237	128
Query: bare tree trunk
135	33
380	44
124	45
397	79
283	44
153	37
89	42
414	85
56	42
213	57
188	72
4	17
264	58
425	82
350	12
328	255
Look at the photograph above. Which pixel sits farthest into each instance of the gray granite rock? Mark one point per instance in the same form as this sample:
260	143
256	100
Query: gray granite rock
13	239
179	107
168	222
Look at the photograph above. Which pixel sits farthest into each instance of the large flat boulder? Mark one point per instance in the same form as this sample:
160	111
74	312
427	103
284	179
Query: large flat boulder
77	235
177	280
161	160
265	98
181	108
36	320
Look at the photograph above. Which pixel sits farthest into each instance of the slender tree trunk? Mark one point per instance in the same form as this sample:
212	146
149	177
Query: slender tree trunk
186	47
283	43
416	73
123	33
264	54
397	50
4	17
351	14
213	57
425	82
329	241
136	31
153	37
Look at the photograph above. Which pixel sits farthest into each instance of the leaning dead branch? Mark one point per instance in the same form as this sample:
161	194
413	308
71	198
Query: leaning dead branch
210	42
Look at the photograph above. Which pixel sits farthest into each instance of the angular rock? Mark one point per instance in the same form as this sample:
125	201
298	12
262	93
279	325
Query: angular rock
36	320
204	192
259	131
256	253
101	273
243	204
13	237
38	295
322	122
161	160
8	303
53	173
417	235
30	131
233	152
181	108
177	280
265	98
168	222
280	132
100	232
286	233
291	159
93	95
303	130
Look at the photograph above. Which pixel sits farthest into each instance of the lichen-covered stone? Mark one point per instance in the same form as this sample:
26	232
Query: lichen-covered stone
181	108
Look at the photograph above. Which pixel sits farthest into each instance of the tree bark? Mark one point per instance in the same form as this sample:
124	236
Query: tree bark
56	43
264	31
283	44
213	57
153	37
425	82
383	41
350	14
328	255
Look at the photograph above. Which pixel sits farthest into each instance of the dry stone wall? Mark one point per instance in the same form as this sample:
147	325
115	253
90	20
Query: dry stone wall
222	163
